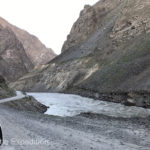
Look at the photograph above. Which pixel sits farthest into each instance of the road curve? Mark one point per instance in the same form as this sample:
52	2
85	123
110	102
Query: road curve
19	95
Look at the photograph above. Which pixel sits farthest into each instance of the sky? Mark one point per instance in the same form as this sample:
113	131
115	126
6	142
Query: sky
49	20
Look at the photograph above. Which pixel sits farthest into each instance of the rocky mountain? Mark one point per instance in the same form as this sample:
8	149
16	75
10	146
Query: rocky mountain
35	50
106	55
20	52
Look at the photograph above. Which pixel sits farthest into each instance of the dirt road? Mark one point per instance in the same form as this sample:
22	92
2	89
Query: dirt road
19	95
24	130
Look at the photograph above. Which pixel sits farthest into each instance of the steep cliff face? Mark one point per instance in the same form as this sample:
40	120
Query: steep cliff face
35	50
106	55
90	20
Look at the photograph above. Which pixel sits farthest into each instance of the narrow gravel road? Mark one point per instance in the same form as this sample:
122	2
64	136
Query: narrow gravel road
31	131
19	95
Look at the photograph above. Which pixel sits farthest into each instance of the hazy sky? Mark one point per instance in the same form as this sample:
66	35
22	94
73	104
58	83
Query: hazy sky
49	20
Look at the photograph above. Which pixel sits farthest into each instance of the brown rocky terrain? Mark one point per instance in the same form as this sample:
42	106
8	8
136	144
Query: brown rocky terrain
14	62
106	56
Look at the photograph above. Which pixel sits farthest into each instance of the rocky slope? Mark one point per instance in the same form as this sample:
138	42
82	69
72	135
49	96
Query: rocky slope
4	90
27	104
35	50
106	55
14	62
